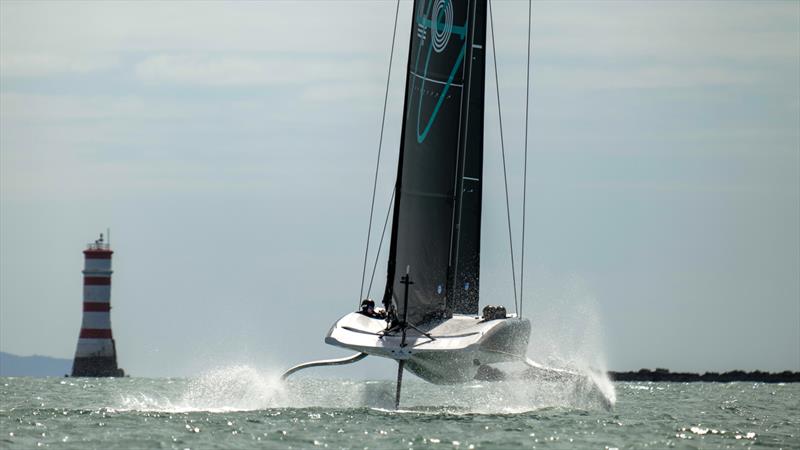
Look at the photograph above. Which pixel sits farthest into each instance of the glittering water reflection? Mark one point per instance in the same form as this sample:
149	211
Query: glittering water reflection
241	408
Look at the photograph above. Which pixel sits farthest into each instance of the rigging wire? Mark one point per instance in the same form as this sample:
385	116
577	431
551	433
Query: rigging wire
380	243
378	162
525	165
503	151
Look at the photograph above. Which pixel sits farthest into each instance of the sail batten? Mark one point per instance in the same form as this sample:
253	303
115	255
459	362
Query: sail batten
436	226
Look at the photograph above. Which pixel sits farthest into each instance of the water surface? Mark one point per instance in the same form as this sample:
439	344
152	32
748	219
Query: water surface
239	407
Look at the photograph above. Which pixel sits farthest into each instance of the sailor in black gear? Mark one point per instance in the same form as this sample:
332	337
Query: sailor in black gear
368	309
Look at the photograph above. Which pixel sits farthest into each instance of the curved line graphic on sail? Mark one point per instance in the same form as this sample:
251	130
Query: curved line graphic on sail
435	27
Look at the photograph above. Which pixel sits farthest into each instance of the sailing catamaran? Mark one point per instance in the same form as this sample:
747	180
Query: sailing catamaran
433	325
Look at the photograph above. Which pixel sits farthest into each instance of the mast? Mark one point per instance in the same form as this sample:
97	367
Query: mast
436	226
466	241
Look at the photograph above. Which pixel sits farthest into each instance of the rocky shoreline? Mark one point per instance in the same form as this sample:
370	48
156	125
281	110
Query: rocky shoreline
712	377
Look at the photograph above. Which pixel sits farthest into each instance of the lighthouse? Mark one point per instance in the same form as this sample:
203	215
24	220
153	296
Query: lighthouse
96	354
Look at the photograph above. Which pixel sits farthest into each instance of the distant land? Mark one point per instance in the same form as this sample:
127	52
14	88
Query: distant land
33	366
717	377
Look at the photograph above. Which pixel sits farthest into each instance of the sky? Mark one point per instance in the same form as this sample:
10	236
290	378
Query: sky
230	148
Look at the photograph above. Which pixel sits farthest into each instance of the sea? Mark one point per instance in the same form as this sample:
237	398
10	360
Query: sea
239	407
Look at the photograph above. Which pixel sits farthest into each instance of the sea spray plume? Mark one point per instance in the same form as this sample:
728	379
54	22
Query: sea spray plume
234	388
222	389
567	333
158	395
243	388
146	402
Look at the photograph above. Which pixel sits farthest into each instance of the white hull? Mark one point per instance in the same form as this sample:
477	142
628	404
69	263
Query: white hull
453	352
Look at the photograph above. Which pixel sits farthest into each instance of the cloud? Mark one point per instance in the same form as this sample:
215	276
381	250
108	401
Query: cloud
647	77
340	91
662	32
220	70
44	64
737	188
277	26
38	107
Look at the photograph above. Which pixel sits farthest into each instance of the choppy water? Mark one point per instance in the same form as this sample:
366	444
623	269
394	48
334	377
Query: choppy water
239	407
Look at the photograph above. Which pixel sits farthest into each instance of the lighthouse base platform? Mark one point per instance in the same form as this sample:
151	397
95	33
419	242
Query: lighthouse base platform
96	366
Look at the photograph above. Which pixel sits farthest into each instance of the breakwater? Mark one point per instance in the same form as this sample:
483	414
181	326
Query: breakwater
714	377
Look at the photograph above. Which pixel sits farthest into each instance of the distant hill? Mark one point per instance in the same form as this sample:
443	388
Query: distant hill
33	366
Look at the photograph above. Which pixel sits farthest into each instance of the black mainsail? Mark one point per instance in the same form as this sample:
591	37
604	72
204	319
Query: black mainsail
437	213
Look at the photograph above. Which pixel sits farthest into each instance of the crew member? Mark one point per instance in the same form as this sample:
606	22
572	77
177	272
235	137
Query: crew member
368	309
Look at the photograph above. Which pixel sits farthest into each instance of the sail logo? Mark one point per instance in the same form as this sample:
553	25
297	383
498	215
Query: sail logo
436	16
442	31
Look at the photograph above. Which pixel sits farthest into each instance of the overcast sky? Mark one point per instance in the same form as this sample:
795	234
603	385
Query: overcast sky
230	149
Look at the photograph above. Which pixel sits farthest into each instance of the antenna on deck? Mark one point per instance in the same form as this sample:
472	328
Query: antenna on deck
406	280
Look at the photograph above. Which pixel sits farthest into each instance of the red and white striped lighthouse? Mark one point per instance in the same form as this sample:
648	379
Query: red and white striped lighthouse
96	355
